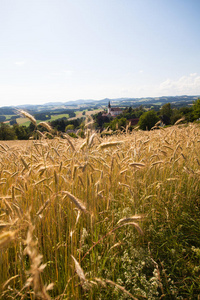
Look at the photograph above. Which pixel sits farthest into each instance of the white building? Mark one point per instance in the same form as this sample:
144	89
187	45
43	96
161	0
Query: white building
113	111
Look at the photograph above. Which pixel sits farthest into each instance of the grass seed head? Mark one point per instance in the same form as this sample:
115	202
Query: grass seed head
29	116
76	201
46	125
7	237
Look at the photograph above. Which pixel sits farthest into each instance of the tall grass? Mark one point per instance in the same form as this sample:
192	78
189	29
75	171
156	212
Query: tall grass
114	217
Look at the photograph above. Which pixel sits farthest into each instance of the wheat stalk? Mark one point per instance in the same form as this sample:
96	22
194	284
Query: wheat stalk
79	270
76	201
7	237
36	267
29	116
179	121
46	125
109	144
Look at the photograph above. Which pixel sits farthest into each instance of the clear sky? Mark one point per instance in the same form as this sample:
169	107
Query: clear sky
61	50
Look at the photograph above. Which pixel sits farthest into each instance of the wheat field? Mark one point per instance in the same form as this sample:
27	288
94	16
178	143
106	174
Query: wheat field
101	217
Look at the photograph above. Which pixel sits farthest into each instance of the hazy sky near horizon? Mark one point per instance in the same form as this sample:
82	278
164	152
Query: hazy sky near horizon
61	50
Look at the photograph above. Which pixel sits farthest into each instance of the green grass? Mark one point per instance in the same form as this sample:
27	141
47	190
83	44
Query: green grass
26	122
23	121
55	117
8	117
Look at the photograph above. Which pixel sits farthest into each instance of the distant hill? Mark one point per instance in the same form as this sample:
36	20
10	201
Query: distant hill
123	102
127	101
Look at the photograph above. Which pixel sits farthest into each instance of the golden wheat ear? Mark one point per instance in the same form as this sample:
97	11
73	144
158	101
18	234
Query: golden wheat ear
36	266
27	115
46	125
179	121
76	201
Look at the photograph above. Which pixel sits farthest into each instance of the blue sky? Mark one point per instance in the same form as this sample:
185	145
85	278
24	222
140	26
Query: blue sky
60	50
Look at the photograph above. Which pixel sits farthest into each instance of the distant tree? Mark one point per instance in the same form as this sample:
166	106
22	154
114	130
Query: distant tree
176	116
139	111
196	109
100	120
13	121
22	132
129	113
72	114
41	116
60	124
2	118
69	127
148	120
7	132
187	112
166	113
31	128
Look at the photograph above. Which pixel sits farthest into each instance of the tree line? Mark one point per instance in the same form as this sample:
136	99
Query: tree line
166	116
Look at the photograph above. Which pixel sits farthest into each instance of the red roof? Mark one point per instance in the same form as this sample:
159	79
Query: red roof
116	109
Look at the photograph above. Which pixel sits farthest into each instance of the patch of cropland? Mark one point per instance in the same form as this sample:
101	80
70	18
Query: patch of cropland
114	217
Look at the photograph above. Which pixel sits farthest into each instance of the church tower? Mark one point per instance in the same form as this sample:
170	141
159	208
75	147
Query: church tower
109	107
